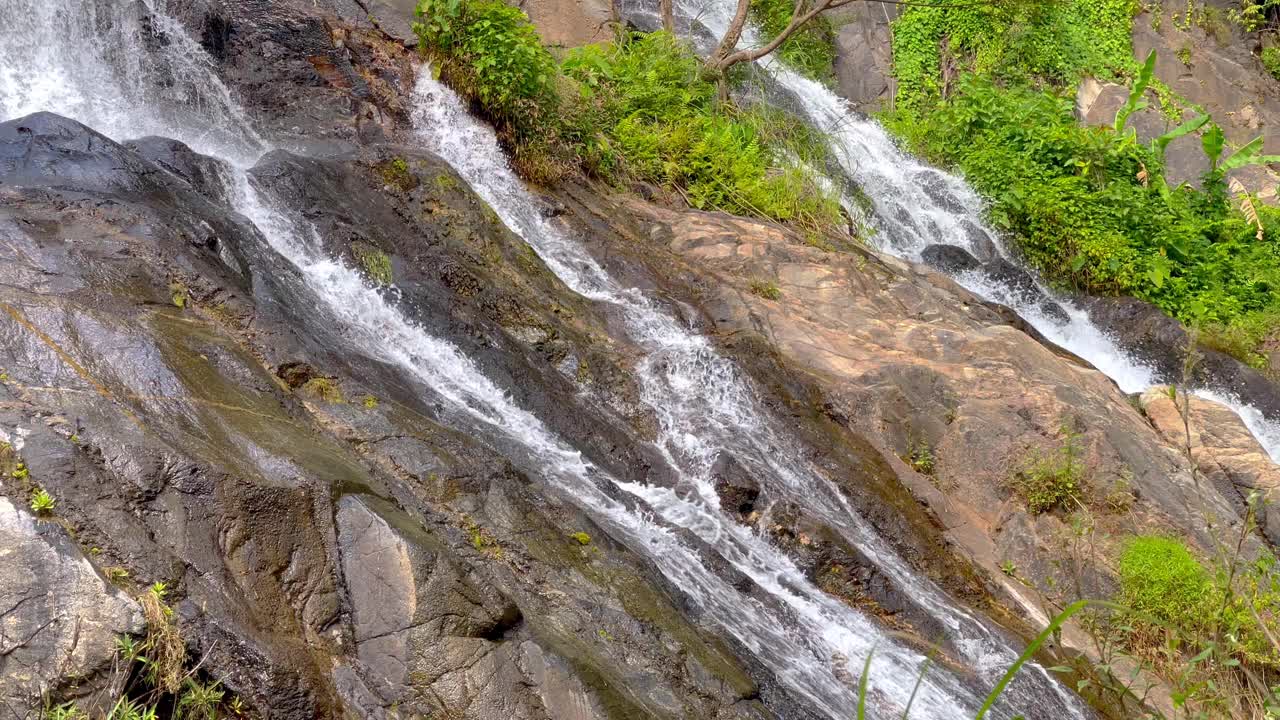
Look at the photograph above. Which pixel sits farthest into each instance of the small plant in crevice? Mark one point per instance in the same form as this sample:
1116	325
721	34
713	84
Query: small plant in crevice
325	389
1051	480
481	539
42	502
179	295
766	289
920	457
151	676
396	173
375	263
581	538
370	402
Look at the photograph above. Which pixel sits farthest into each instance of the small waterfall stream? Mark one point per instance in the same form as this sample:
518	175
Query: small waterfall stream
707	408
916	206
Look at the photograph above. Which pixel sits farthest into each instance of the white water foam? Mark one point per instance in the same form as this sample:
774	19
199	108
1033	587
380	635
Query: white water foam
707	409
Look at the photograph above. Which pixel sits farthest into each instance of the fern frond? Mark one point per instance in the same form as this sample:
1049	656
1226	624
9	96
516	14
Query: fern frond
1246	206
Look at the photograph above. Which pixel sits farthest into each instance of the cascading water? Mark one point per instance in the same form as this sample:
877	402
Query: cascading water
706	408
96	62
917	206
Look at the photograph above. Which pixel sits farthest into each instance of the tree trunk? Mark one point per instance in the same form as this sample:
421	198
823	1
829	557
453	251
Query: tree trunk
668	15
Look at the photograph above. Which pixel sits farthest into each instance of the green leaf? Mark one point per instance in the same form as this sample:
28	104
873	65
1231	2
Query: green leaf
1057	622
862	685
1186	128
1135	103
1213	141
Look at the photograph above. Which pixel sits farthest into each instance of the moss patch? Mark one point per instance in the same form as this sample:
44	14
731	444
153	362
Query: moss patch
396	173
325	389
375	263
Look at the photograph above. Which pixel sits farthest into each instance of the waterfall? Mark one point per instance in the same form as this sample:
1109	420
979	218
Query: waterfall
916	205
707	408
129	70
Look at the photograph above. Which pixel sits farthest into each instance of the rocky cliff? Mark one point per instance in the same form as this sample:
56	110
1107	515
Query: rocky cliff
335	538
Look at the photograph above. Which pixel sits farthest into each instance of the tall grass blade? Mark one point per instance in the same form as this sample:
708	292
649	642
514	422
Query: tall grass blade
1062	617
862	685
924	668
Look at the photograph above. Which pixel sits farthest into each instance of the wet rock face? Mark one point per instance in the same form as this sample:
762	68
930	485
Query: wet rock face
331	548
864	58
58	618
206	175
950	259
947	396
1146	331
1224	450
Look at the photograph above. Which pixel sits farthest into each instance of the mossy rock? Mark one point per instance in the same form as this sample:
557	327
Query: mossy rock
396	173
375	263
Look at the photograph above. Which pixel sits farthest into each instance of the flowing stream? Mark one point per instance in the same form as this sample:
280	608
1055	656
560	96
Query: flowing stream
706	409
127	69
916	206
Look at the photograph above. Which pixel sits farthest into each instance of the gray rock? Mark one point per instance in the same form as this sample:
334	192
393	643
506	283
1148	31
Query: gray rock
59	619
864	59
949	259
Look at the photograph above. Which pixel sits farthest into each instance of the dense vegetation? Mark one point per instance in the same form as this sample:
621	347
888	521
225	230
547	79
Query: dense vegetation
811	50
637	108
989	89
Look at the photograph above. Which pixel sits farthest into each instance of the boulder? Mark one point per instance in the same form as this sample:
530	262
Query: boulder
1224	450
206	175
864	58
59	619
1162	341
736	488
950	259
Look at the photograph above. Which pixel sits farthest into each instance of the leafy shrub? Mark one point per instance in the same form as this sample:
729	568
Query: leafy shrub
1160	577
1179	601
660	122
1089	208
811	50
1271	60
494	49
1048	481
766	290
637	108
1057	42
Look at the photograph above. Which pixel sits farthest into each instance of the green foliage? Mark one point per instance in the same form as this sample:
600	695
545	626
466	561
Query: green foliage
636	109
581	538
325	389
375	263
1177	600
1089	207
396	172
766	290
1013	42
657	120
179	294
1160	577
1271	60
920	457
811	50
1048	481
370	402
494	46
42	502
